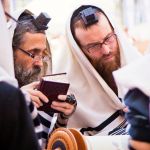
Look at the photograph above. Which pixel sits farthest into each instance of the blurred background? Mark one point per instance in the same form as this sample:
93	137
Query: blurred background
132	15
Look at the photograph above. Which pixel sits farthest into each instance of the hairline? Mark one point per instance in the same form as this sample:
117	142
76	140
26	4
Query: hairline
25	26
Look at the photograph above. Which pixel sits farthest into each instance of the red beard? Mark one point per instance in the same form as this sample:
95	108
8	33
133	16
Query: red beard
104	67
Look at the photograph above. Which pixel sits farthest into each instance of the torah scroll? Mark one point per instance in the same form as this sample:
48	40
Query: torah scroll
72	139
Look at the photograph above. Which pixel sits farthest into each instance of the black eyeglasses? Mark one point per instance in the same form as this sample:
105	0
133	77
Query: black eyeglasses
35	57
94	47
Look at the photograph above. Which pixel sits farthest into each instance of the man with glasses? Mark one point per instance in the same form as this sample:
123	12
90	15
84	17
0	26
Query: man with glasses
96	48
30	51
30	54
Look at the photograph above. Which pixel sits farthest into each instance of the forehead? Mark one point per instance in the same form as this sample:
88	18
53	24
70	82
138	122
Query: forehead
94	33
33	40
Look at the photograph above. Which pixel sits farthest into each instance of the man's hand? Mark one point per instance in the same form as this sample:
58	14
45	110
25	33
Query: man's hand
139	145
64	107
126	109
36	96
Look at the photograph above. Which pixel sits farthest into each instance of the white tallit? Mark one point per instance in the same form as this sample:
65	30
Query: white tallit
6	56
96	101
135	75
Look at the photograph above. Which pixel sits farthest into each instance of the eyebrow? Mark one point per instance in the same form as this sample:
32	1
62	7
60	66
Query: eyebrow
90	44
36	49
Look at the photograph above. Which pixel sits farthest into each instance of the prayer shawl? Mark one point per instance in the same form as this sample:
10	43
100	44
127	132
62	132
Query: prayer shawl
96	102
6	57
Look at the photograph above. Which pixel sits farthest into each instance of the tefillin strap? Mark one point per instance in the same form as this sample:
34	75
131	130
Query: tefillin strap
88	16
8	15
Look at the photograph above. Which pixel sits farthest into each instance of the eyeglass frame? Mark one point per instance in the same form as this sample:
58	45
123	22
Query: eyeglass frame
44	58
100	44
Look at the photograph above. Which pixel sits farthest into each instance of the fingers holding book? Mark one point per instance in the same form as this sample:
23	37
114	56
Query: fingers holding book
66	104
37	97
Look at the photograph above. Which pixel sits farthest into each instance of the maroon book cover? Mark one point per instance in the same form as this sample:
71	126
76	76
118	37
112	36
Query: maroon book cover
52	86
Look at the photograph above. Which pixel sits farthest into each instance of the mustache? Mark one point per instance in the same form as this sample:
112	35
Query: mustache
36	70
107	55
104	68
25	77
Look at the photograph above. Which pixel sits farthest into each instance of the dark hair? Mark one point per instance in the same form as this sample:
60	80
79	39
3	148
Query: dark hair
25	24
77	17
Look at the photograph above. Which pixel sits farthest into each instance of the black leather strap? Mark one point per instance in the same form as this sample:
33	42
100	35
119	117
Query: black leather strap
102	125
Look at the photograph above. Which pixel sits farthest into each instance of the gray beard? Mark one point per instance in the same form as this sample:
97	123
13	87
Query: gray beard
25	77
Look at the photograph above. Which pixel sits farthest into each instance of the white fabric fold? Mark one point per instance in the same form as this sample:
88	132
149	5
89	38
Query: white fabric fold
6	57
135	75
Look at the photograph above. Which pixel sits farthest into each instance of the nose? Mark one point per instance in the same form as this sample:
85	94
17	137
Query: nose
105	49
38	62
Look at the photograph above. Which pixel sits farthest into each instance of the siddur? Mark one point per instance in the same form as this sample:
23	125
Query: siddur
52	86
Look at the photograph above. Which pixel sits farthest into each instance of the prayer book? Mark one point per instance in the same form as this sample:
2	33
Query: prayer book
52	86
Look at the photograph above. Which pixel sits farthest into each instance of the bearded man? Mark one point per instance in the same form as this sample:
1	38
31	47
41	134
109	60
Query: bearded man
30	49
96	48
30	58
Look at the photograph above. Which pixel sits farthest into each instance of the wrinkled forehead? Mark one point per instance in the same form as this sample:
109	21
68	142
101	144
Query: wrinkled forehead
33	40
